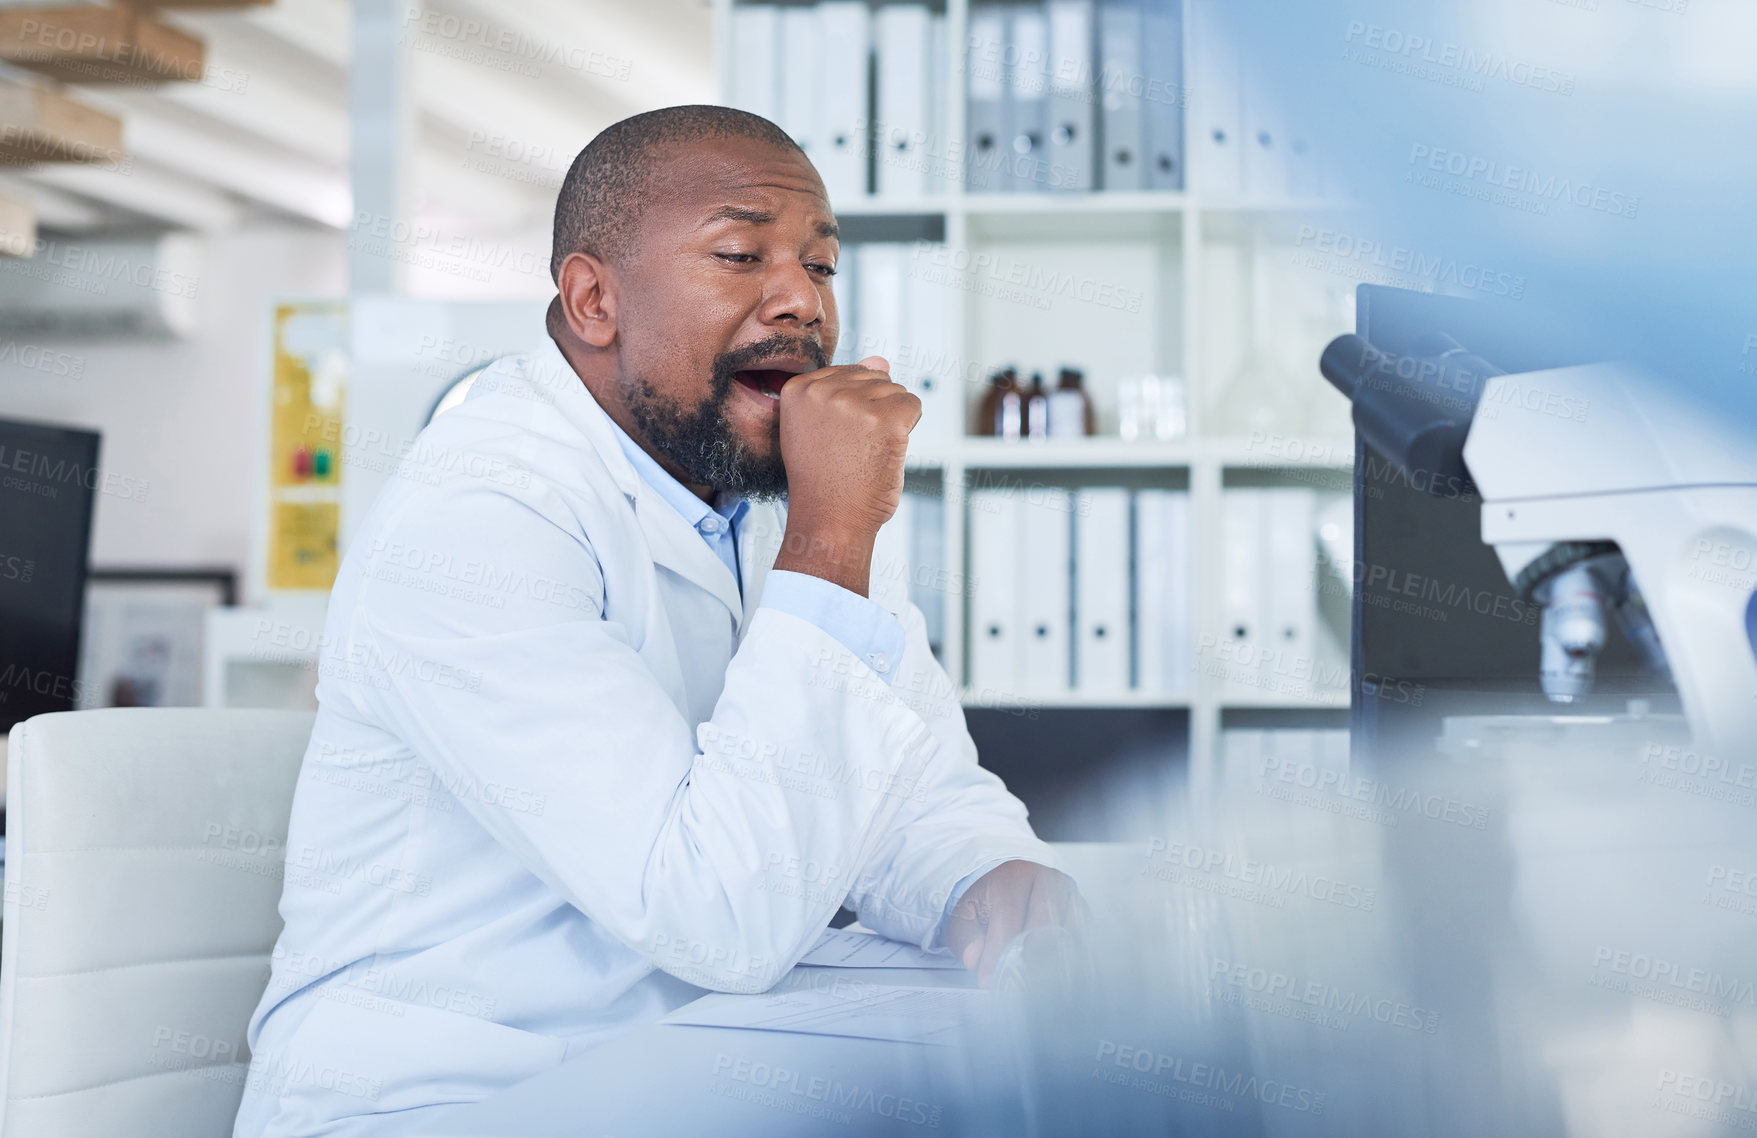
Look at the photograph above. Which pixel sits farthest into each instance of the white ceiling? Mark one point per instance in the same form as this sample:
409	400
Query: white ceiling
267	133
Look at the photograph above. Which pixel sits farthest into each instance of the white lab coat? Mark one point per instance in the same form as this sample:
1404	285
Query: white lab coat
563	777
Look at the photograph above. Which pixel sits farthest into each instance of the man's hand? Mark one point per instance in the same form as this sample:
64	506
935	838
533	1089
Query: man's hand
1004	902
844	432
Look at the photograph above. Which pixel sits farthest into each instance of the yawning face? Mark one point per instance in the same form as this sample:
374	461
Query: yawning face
727	297
706	440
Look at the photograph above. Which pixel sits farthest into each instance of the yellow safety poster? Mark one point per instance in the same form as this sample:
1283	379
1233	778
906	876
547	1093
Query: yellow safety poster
305	444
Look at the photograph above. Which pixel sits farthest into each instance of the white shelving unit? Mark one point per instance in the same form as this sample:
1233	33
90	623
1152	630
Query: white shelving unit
1216	278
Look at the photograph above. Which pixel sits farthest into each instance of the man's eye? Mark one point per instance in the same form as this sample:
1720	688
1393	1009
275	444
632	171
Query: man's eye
737	258
823	270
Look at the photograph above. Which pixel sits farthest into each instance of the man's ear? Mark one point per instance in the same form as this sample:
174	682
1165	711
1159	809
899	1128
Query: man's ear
588	299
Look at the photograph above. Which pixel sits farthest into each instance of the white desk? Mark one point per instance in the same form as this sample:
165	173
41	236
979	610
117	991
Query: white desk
667	1080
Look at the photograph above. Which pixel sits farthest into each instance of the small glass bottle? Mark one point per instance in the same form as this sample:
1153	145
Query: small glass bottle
1002	413
1036	408
1070	411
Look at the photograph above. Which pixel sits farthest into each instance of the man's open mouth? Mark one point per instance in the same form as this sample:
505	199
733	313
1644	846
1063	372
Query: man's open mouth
764	382
769	376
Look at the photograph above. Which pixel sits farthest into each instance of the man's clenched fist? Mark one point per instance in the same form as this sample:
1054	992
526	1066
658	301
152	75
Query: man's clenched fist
844	434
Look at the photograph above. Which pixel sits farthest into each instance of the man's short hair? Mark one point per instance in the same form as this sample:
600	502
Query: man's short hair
610	182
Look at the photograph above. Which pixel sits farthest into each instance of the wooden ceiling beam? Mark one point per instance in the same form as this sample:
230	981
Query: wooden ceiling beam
40	125
92	44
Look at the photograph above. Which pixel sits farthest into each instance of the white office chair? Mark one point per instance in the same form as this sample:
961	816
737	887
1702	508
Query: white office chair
143	871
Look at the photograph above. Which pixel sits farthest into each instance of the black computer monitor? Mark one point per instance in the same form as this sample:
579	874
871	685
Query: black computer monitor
48	483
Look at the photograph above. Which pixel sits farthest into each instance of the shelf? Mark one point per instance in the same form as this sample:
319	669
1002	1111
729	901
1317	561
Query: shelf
1065	204
1328	452
1104	452
874	206
1071	699
1272	205
1060	205
1062	454
1216	277
1331	701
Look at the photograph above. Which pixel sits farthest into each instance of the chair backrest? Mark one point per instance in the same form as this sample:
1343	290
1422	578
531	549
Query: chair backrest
144	856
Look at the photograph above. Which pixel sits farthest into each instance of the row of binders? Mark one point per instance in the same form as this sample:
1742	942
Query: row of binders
1089	590
1060	95
861	90
1083	590
1278	545
1076	95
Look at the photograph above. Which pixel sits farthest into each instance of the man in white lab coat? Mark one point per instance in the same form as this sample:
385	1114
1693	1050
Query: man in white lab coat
605	720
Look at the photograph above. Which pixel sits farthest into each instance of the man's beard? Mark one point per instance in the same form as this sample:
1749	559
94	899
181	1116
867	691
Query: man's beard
701	439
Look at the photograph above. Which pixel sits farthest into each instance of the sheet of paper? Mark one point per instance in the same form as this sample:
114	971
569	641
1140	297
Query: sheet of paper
855	1009
847	948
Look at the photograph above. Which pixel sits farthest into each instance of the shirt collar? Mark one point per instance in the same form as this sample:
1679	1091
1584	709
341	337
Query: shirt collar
730	507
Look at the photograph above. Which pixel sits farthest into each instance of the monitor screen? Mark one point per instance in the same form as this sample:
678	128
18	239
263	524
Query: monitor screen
48	480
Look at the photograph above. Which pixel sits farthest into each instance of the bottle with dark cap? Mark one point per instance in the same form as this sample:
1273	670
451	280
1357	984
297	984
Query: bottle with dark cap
1003	410
1036	408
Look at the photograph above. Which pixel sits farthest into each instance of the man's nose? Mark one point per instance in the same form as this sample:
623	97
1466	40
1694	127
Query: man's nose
791	296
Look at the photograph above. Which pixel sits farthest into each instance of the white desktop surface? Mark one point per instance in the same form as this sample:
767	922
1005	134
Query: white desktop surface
666	1080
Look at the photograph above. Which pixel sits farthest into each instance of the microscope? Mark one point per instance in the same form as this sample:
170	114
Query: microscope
1607	496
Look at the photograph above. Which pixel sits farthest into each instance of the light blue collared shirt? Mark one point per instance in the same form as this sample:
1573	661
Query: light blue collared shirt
865	627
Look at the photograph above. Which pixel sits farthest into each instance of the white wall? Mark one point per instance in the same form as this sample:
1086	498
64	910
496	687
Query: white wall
184	417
